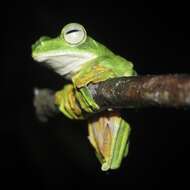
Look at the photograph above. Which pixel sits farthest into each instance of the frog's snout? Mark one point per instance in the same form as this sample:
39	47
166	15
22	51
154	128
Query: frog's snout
39	42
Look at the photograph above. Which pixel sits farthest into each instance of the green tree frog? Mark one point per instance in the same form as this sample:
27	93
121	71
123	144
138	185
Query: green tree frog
82	60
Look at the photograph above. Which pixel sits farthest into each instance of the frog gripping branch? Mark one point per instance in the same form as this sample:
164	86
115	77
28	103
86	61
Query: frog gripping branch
84	61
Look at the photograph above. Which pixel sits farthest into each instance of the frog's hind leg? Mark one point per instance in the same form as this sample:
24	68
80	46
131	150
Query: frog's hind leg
109	134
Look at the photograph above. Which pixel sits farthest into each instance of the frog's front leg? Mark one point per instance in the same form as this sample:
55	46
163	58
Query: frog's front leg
66	100
75	103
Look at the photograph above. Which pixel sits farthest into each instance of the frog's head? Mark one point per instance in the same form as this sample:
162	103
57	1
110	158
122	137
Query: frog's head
67	52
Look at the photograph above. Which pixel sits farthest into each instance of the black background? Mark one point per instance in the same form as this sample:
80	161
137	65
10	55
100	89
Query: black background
55	154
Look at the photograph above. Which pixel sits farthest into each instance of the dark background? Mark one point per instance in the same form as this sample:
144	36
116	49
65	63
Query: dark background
55	154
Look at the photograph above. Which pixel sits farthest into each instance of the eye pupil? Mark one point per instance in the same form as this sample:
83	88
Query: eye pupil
72	31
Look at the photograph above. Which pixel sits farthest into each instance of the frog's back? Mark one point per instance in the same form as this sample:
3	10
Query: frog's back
119	65
103	68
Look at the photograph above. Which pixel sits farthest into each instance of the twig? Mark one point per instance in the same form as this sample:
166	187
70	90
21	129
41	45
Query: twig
127	92
44	104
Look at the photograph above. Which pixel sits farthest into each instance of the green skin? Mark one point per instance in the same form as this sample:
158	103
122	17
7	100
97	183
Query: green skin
83	62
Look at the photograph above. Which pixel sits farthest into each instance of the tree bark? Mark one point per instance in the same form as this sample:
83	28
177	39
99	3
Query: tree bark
127	92
143	91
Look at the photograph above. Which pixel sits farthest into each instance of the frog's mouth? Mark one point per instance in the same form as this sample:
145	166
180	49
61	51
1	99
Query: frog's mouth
64	63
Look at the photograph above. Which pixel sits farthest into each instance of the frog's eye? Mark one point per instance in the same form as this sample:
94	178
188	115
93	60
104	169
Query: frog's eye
74	33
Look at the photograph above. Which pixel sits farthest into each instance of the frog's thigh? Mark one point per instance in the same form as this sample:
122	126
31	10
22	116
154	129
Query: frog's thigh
94	74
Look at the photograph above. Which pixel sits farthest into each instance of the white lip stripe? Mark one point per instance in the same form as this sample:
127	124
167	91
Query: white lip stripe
45	56
65	63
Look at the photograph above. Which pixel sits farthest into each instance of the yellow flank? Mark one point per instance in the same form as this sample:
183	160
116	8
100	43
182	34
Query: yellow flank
96	73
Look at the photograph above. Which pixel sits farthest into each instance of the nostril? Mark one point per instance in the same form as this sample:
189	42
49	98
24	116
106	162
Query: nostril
44	38
40	41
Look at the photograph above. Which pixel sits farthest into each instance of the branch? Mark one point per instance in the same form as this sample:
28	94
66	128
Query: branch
128	92
143	91
44	104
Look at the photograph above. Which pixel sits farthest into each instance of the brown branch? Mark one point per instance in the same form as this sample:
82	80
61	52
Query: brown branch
44	104
127	92
143	91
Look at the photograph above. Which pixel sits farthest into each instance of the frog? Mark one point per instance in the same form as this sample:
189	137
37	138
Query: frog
82	61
